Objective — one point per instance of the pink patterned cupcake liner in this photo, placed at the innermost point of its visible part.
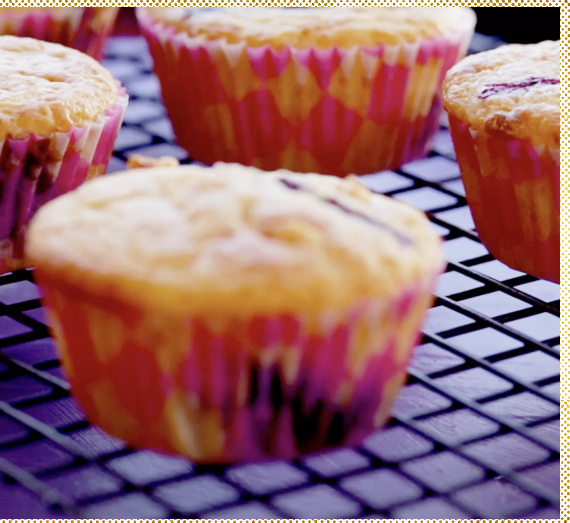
(38, 169)
(227, 391)
(513, 190)
(335, 111)
(83, 28)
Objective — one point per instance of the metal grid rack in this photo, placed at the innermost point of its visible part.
(475, 433)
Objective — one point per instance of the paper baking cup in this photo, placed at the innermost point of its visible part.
(335, 111)
(513, 190)
(38, 169)
(233, 390)
(83, 28)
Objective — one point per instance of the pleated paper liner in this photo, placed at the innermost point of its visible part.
(38, 169)
(513, 190)
(83, 28)
(234, 390)
(335, 111)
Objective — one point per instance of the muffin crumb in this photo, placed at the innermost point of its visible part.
(139, 161)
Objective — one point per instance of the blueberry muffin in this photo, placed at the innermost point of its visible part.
(231, 315)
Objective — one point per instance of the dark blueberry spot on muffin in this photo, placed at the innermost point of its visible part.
(400, 237)
(306, 425)
(6, 165)
(293, 186)
(277, 394)
(338, 431)
(37, 155)
(45, 182)
(495, 89)
(253, 385)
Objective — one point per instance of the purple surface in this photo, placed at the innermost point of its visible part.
(33, 352)
(474, 384)
(435, 169)
(397, 443)
(126, 507)
(496, 498)
(266, 478)
(18, 292)
(430, 358)
(461, 218)
(441, 319)
(444, 472)
(332, 464)
(523, 408)
(459, 426)
(498, 271)
(416, 400)
(11, 431)
(142, 468)
(433, 508)
(549, 431)
(37, 457)
(547, 476)
(454, 283)
(495, 304)
(510, 450)
(253, 510)
(541, 327)
(531, 367)
(381, 488)
(38, 315)
(463, 249)
(85, 482)
(10, 328)
(58, 414)
(386, 181)
(319, 502)
(96, 442)
(18, 503)
(23, 388)
(197, 494)
(426, 199)
(485, 343)
(161, 128)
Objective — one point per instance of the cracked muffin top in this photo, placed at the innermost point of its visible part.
(513, 89)
(47, 88)
(317, 27)
(233, 240)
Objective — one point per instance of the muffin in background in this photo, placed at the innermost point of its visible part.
(327, 90)
(504, 113)
(60, 112)
(231, 315)
(83, 28)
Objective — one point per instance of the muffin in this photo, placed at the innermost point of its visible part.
(325, 90)
(504, 112)
(230, 315)
(60, 112)
(83, 28)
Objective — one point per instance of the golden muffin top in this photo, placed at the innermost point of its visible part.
(232, 240)
(317, 27)
(47, 88)
(513, 89)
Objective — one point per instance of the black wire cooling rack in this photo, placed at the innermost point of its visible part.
(475, 433)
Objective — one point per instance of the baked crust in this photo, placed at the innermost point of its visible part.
(343, 27)
(514, 89)
(47, 88)
(232, 241)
